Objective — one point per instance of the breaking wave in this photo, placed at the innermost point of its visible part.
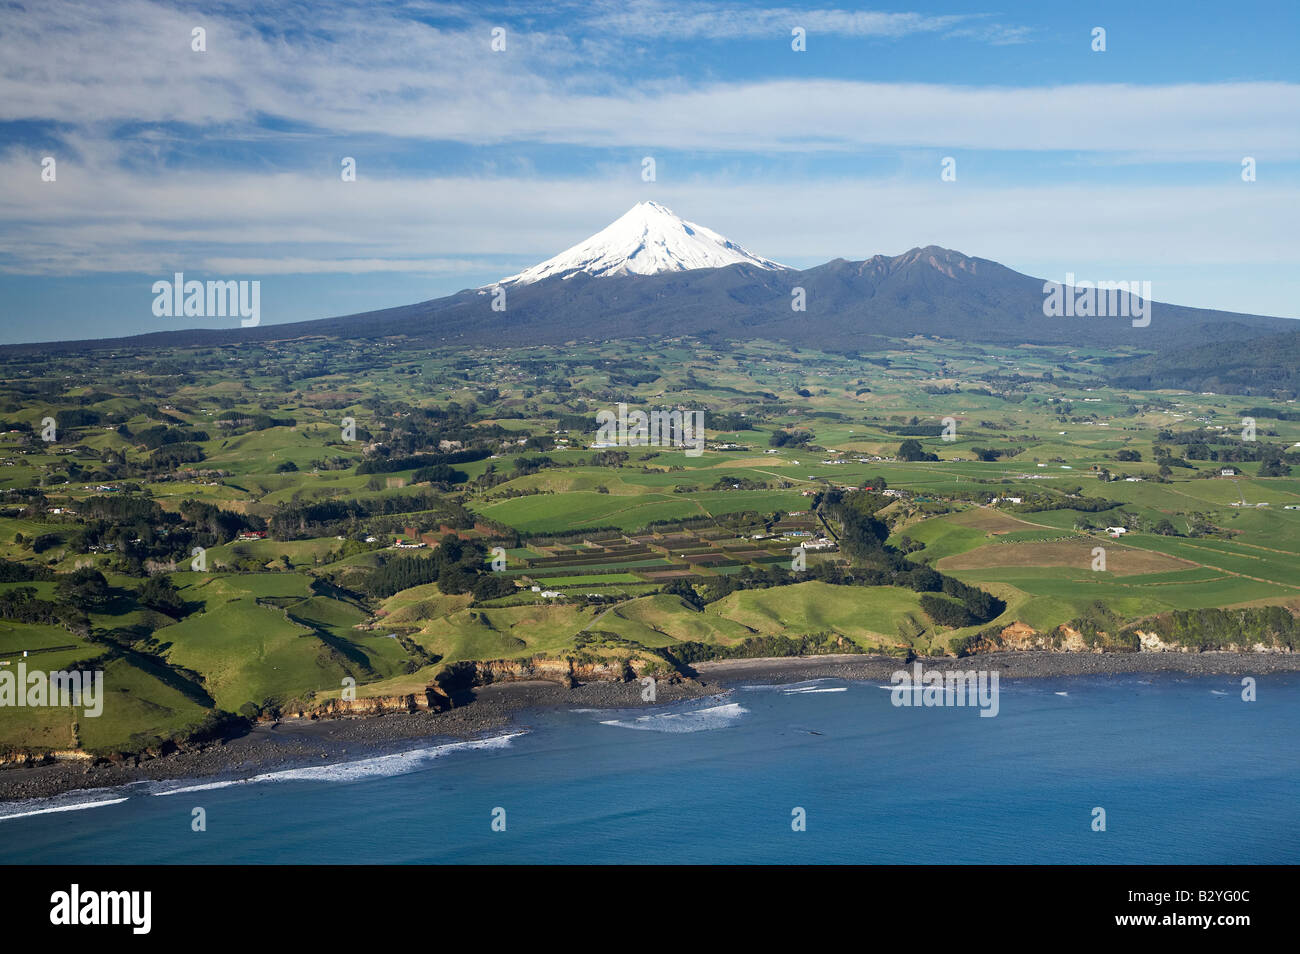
(695, 720)
(382, 766)
(61, 803)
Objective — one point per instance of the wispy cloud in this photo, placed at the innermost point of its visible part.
(704, 21)
(126, 72)
(110, 220)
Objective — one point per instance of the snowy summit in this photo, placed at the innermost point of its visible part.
(648, 239)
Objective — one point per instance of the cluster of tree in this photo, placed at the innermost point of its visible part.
(247, 421)
(738, 483)
(911, 450)
(12, 571)
(423, 430)
(457, 566)
(1274, 467)
(723, 421)
(76, 417)
(159, 593)
(523, 466)
(439, 474)
(862, 534)
(1131, 521)
(791, 438)
(1203, 444)
(914, 429)
(968, 606)
(1036, 503)
(85, 588)
(911, 576)
(136, 529)
(632, 378)
(173, 456)
(993, 453)
(159, 435)
(609, 458)
(389, 465)
(22, 605)
(297, 520)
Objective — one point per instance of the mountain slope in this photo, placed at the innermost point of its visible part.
(1235, 364)
(647, 240)
(654, 274)
(848, 306)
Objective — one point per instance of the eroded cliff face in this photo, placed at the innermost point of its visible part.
(468, 674)
(1018, 637)
(431, 698)
(1152, 643)
(35, 757)
(566, 671)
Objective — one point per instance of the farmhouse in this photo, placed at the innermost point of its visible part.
(1116, 531)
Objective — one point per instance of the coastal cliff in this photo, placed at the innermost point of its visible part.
(458, 678)
(1268, 630)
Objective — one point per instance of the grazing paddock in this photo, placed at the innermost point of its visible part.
(1120, 560)
(988, 520)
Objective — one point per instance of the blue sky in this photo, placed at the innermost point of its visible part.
(473, 163)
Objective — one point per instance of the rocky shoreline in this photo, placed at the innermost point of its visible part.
(297, 742)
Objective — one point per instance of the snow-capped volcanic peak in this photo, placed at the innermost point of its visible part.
(645, 241)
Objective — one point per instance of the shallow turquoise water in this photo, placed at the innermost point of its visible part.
(1186, 771)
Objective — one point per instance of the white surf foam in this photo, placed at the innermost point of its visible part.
(696, 720)
(804, 692)
(10, 810)
(382, 766)
(787, 686)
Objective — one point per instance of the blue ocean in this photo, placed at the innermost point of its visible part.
(1184, 769)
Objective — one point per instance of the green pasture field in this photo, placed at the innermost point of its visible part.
(265, 634)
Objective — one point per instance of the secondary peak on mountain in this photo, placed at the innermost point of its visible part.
(646, 240)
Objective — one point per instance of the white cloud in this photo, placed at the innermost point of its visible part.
(375, 73)
(95, 219)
